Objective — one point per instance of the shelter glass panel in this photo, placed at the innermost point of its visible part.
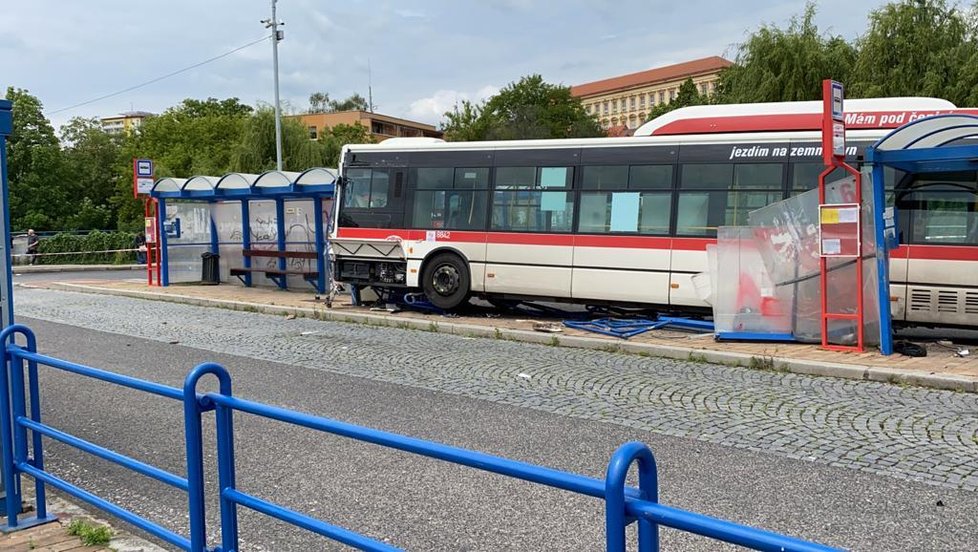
(227, 220)
(183, 253)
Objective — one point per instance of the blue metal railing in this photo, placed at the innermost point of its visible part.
(623, 504)
(17, 460)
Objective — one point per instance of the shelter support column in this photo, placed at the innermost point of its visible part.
(882, 260)
(215, 238)
(164, 263)
(280, 226)
(321, 267)
(12, 495)
(246, 238)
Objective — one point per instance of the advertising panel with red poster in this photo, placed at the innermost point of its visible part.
(150, 229)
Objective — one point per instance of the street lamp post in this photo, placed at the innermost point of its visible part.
(277, 35)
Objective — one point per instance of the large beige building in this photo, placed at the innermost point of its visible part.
(623, 103)
(379, 126)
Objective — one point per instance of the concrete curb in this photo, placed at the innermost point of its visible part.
(37, 269)
(729, 358)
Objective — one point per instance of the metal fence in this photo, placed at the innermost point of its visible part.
(18, 416)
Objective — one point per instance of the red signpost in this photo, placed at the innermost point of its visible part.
(839, 223)
(143, 173)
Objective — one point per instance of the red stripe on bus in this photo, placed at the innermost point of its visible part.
(942, 252)
(921, 252)
(746, 123)
(515, 238)
(796, 121)
(634, 242)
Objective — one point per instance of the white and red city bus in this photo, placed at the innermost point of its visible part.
(626, 221)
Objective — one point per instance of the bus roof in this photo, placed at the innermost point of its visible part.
(429, 144)
(861, 114)
(866, 120)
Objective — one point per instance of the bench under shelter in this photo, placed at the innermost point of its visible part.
(268, 229)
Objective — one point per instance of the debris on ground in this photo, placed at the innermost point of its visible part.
(547, 327)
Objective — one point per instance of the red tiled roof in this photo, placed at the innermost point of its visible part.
(659, 74)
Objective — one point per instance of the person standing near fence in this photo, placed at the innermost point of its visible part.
(139, 244)
(33, 242)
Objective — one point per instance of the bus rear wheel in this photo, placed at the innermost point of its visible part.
(446, 281)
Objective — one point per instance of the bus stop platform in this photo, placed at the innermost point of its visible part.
(942, 368)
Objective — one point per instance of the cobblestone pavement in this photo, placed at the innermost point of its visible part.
(910, 433)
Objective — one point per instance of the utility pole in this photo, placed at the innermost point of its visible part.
(277, 35)
(370, 89)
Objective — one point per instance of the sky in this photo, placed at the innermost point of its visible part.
(423, 56)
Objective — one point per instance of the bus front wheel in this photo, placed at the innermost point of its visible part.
(446, 281)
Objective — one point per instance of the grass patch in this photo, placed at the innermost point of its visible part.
(91, 534)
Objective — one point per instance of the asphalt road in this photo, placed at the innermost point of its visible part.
(426, 505)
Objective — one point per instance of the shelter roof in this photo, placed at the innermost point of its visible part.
(942, 143)
(317, 181)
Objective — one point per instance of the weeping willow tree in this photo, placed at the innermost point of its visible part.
(775, 65)
(919, 48)
(255, 152)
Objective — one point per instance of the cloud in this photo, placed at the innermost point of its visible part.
(410, 14)
(432, 108)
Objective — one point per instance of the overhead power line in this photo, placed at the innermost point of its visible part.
(166, 76)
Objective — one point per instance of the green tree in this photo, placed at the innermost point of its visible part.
(356, 102)
(528, 109)
(38, 195)
(194, 137)
(333, 140)
(775, 65)
(465, 123)
(254, 152)
(918, 48)
(92, 165)
(212, 107)
(129, 210)
(191, 138)
(320, 102)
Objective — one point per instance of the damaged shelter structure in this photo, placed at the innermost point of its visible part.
(775, 292)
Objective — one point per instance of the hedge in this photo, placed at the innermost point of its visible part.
(88, 246)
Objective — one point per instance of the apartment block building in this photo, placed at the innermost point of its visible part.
(124, 123)
(379, 126)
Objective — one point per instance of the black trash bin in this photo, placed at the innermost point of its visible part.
(210, 268)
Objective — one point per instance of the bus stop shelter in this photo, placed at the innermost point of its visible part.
(770, 288)
(937, 144)
(266, 229)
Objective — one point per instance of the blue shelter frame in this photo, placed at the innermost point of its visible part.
(929, 145)
(316, 184)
